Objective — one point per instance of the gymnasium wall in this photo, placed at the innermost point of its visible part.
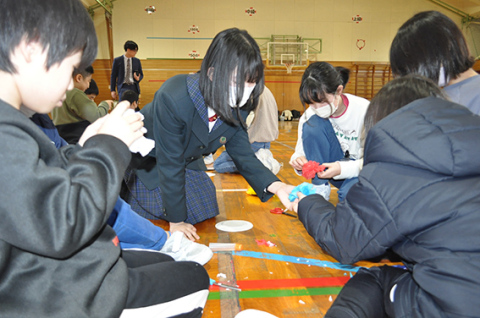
(354, 33)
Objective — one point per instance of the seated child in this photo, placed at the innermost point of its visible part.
(330, 128)
(92, 91)
(58, 257)
(78, 110)
(132, 97)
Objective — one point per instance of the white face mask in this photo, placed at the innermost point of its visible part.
(232, 95)
(326, 111)
(442, 79)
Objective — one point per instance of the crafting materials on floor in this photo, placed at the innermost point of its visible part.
(281, 211)
(263, 242)
(298, 260)
(250, 191)
(234, 226)
(226, 286)
(225, 247)
(311, 168)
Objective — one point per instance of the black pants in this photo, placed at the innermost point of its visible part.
(158, 284)
(367, 294)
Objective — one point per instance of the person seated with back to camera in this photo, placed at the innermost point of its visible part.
(92, 90)
(132, 97)
(432, 45)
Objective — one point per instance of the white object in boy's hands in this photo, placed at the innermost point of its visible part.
(142, 145)
(180, 248)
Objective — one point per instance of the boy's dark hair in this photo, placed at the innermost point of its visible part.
(130, 45)
(62, 27)
(398, 93)
(232, 58)
(87, 71)
(92, 89)
(130, 95)
(426, 42)
(319, 79)
(344, 74)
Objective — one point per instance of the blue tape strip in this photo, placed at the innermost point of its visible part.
(298, 260)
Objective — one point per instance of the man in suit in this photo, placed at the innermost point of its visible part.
(126, 71)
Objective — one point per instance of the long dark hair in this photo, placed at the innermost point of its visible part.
(233, 52)
(319, 79)
(398, 93)
(426, 42)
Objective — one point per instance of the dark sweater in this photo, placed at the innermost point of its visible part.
(57, 256)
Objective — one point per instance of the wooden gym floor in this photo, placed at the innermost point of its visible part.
(293, 279)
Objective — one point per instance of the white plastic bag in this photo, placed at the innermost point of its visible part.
(266, 157)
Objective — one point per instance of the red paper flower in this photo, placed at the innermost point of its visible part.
(263, 242)
(310, 169)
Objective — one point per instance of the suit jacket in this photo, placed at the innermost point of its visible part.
(182, 139)
(118, 73)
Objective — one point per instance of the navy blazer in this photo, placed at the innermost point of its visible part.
(182, 139)
(118, 73)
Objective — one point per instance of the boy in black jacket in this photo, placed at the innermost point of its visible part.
(57, 256)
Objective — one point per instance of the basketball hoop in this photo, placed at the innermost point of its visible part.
(289, 67)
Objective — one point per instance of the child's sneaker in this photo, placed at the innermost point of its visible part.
(181, 248)
(323, 190)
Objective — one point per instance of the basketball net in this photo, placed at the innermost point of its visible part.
(289, 67)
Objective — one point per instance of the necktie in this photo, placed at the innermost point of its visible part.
(128, 76)
(212, 118)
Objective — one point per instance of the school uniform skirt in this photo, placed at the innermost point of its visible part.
(201, 197)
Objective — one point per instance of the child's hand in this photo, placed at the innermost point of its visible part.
(91, 130)
(333, 169)
(300, 196)
(297, 201)
(125, 128)
(282, 190)
(186, 228)
(110, 104)
(298, 163)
